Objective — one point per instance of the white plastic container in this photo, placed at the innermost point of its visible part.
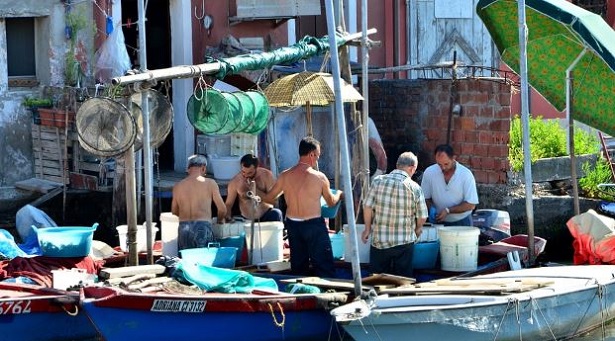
(363, 247)
(65, 278)
(122, 231)
(233, 229)
(169, 223)
(459, 248)
(268, 241)
(224, 167)
(429, 234)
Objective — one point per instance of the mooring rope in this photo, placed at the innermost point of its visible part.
(275, 320)
(535, 304)
(71, 313)
(510, 302)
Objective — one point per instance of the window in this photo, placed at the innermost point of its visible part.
(21, 58)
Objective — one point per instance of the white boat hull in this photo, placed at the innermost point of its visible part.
(580, 298)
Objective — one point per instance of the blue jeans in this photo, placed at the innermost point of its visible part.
(193, 234)
(310, 243)
(467, 221)
(274, 214)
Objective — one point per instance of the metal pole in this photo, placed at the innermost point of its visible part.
(147, 152)
(365, 104)
(341, 123)
(573, 159)
(525, 123)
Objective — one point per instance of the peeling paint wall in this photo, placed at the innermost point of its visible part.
(51, 46)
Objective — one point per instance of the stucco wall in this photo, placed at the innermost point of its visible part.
(16, 157)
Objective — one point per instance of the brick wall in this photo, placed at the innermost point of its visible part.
(414, 115)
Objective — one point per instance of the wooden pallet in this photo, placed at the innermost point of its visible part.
(53, 153)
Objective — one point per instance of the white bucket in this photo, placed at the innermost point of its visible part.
(122, 231)
(268, 241)
(459, 248)
(363, 247)
(169, 223)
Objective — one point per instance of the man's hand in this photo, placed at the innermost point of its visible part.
(365, 235)
(376, 173)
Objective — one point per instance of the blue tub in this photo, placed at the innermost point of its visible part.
(69, 241)
(325, 210)
(236, 242)
(220, 257)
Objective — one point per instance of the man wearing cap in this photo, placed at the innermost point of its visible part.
(251, 183)
(192, 199)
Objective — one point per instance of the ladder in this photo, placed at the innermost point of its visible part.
(608, 151)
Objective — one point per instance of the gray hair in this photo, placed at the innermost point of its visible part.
(407, 159)
(197, 160)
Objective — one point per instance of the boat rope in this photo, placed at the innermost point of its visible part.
(511, 301)
(74, 313)
(602, 303)
(275, 320)
(518, 316)
(535, 304)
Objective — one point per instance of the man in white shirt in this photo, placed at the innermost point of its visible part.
(450, 187)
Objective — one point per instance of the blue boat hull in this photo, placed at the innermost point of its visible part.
(122, 324)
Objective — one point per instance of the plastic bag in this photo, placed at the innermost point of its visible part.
(112, 58)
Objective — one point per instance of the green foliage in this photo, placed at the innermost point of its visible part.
(593, 177)
(34, 102)
(547, 139)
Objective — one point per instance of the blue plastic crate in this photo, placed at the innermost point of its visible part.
(220, 257)
(425, 255)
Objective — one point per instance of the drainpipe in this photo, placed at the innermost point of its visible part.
(409, 52)
(396, 35)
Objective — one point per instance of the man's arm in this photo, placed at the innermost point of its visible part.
(330, 198)
(367, 218)
(231, 195)
(275, 191)
(174, 203)
(217, 198)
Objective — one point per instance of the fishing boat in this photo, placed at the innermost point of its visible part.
(529, 304)
(180, 312)
(36, 313)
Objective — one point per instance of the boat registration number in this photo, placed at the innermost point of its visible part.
(179, 306)
(15, 307)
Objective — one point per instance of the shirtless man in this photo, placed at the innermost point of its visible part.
(242, 184)
(192, 199)
(308, 234)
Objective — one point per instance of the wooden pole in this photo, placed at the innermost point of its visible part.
(192, 71)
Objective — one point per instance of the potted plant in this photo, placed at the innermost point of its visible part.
(34, 103)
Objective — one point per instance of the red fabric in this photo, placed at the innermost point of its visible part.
(39, 268)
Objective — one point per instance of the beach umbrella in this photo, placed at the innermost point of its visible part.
(562, 40)
(307, 89)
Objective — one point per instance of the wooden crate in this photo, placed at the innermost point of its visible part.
(53, 153)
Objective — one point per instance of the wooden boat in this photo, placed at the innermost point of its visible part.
(36, 313)
(171, 314)
(529, 304)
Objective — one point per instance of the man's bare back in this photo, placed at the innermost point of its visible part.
(192, 199)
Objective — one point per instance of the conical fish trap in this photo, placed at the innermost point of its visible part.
(160, 117)
(105, 127)
(208, 111)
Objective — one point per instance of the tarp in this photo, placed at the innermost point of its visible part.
(594, 238)
(307, 47)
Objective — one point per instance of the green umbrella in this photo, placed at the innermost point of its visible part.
(561, 36)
